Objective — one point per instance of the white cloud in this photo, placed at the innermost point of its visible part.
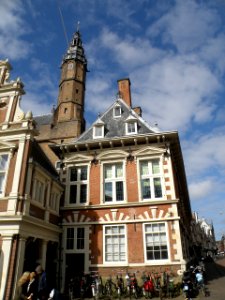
(129, 52)
(187, 25)
(201, 189)
(12, 29)
(206, 154)
(174, 90)
(41, 90)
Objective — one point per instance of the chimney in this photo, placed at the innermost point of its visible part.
(124, 90)
(138, 110)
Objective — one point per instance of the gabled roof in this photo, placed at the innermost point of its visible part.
(115, 126)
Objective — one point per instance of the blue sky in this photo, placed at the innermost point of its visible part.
(173, 53)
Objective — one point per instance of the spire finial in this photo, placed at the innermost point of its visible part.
(78, 25)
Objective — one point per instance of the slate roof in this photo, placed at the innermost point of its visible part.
(115, 126)
(43, 120)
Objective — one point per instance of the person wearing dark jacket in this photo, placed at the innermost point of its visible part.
(32, 288)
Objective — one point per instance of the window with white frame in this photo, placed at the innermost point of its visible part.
(131, 127)
(151, 179)
(75, 238)
(117, 111)
(156, 242)
(99, 131)
(78, 181)
(115, 243)
(113, 182)
(3, 168)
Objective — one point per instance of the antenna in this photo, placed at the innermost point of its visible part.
(78, 25)
(63, 25)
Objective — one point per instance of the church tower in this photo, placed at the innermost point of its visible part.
(72, 85)
(67, 120)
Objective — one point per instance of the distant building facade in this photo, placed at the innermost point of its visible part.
(111, 198)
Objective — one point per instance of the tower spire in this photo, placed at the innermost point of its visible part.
(75, 50)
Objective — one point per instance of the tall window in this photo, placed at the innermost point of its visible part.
(39, 191)
(115, 247)
(75, 238)
(78, 185)
(156, 245)
(113, 182)
(151, 179)
(3, 168)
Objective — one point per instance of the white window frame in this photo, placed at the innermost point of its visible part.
(74, 248)
(95, 133)
(151, 177)
(5, 174)
(156, 261)
(79, 182)
(131, 122)
(114, 180)
(115, 263)
(117, 107)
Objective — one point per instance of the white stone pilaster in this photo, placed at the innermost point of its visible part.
(20, 260)
(4, 262)
(16, 178)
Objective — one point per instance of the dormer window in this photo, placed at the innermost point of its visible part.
(117, 111)
(131, 125)
(98, 129)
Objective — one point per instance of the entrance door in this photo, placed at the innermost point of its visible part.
(74, 270)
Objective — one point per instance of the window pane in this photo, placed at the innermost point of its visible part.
(80, 238)
(119, 190)
(108, 191)
(83, 173)
(117, 111)
(144, 168)
(108, 171)
(73, 194)
(3, 161)
(108, 230)
(131, 127)
(73, 174)
(157, 187)
(119, 170)
(83, 193)
(2, 177)
(145, 187)
(155, 166)
(70, 238)
(98, 130)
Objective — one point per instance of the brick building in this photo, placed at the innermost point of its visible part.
(125, 204)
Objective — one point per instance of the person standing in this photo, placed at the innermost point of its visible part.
(42, 283)
(21, 288)
(32, 288)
